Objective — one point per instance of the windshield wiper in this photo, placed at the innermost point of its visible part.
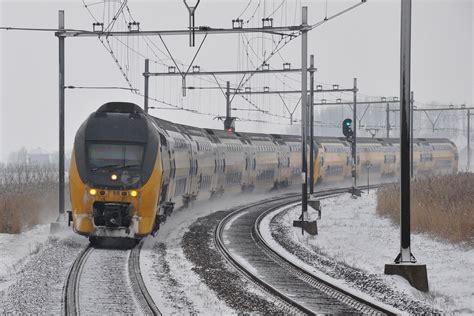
(105, 167)
(128, 166)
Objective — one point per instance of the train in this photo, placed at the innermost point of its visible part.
(130, 170)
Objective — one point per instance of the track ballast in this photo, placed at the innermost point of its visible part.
(108, 279)
(279, 277)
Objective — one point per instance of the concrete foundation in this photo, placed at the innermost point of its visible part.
(414, 273)
(315, 206)
(311, 227)
(59, 225)
(355, 192)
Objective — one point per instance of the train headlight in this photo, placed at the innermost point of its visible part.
(113, 177)
(92, 192)
(133, 193)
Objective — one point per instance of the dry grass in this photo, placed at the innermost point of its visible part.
(442, 206)
(28, 196)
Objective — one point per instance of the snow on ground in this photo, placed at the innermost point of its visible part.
(34, 265)
(352, 234)
(15, 249)
(105, 288)
(167, 273)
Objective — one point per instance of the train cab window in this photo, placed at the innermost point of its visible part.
(117, 156)
(322, 161)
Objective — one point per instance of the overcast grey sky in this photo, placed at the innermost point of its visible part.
(363, 43)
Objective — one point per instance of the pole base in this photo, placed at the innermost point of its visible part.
(311, 227)
(355, 191)
(414, 273)
(315, 205)
(59, 225)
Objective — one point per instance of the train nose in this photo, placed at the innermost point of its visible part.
(112, 214)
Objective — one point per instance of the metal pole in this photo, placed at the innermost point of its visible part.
(61, 112)
(388, 120)
(304, 104)
(412, 102)
(311, 123)
(405, 51)
(354, 141)
(227, 98)
(191, 26)
(147, 79)
(468, 139)
(368, 179)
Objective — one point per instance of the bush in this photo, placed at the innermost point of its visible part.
(28, 196)
(442, 206)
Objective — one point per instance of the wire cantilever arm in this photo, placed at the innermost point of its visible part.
(336, 15)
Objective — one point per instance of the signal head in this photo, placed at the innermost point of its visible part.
(347, 128)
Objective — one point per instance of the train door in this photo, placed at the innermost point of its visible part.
(166, 166)
(172, 168)
(215, 157)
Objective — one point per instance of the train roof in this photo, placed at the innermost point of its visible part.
(215, 135)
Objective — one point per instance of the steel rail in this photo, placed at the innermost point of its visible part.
(219, 242)
(70, 293)
(70, 299)
(139, 288)
(351, 299)
(329, 289)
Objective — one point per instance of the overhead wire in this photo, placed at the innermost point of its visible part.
(275, 50)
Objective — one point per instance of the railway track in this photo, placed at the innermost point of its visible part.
(239, 240)
(106, 281)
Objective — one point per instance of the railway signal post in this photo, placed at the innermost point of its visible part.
(354, 190)
(405, 263)
(349, 132)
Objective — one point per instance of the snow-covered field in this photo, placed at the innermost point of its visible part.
(33, 264)
(352, 233)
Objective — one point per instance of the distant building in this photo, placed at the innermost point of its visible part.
(38, 156)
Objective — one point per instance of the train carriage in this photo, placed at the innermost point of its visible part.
(445, 157)
(370, 159)
(129, 170)
(334, 160)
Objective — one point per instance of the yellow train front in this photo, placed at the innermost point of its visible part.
(115, 175)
